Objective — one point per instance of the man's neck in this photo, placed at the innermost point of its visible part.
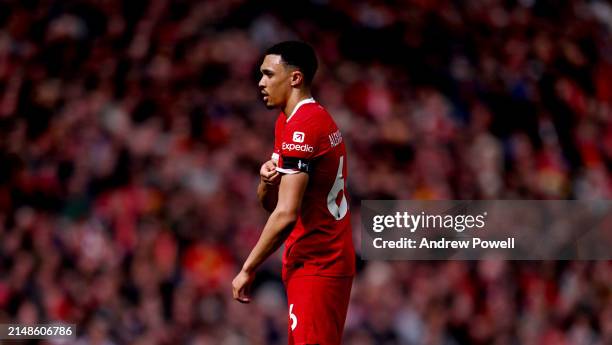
(293, 100)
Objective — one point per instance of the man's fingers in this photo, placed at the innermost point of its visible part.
(269, 165)
(244, 299)
(241, 295)
(240, 288)
(234, 292)
(270, 175)
(267, 173)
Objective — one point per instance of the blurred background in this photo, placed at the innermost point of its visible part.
(131, 136)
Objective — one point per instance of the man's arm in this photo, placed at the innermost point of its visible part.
(277, 228)
(267, 195)
(267, 190)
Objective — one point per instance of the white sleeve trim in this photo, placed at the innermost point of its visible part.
(287, 171)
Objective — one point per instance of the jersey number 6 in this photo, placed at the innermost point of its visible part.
(337, 211)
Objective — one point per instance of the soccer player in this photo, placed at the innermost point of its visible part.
(304, 188)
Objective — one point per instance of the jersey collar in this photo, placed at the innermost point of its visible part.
(297, 106)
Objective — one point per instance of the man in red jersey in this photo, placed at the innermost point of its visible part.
(304, 188)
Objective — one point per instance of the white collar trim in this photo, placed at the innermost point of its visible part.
(297, 106)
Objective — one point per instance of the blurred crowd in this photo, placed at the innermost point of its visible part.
(131, 136)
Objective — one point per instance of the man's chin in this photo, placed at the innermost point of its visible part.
(270, 105)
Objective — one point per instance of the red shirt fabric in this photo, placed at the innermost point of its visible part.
(321, 242)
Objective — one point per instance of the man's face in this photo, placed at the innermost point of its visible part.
(275, 82)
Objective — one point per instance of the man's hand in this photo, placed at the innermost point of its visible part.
(240, 285)
(268, 173)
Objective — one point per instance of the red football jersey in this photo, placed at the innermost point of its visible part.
(321, 242)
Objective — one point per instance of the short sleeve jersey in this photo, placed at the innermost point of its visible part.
(321, 242)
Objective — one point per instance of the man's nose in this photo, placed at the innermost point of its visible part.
(261, 83)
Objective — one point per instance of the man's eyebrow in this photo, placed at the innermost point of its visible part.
(266, 71)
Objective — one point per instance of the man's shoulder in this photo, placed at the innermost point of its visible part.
(312, 110)
(312, 115)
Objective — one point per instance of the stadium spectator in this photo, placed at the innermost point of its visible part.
(131, 136)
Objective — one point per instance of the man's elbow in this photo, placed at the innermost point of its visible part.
(287, 216)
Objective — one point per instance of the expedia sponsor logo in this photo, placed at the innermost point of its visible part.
(298, 137)
(296, 147)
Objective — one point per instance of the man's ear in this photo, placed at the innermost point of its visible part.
(297, 78)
